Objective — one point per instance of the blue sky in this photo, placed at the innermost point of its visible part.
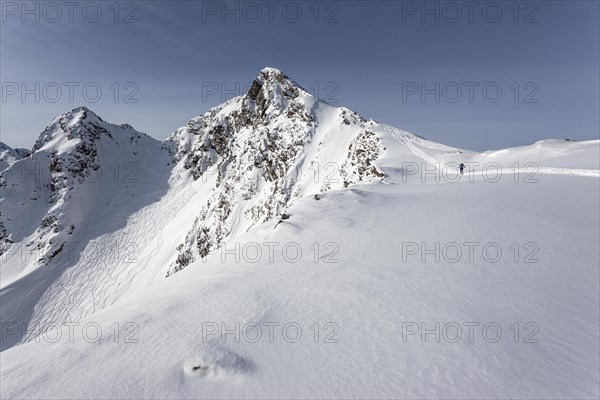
(525, 70)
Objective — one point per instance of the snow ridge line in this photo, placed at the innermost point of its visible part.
(406, 139)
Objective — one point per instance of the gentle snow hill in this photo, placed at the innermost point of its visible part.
(228, 176)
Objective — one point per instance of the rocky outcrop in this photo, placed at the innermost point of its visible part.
(251, 151)
(65, 158)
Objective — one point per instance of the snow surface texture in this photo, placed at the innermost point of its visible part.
(279, 213)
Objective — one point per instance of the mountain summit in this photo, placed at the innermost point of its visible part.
(256, 151)
(9, 155)
(94, 184)
(99, 213)
(83, 125)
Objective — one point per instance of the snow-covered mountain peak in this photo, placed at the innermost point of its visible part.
(80, 114)
(84, 127)
(274, 77)
(271, 93)
(271, 70)
(9, 155)
(255, 151)
(77, 159)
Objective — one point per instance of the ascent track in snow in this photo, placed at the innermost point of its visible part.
(408, 140)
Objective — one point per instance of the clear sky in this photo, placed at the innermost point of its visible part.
(473, 74)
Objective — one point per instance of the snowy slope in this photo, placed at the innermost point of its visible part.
(364, 204)
(137, 212)
(63, 198)
(8, 155)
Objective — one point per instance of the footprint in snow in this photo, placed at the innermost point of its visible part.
(216, 363)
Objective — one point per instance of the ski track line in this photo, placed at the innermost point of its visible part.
(403, 138)
(45, 288)
(91, 285)
(592, 173)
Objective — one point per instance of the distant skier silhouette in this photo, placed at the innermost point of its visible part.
(461, 168)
